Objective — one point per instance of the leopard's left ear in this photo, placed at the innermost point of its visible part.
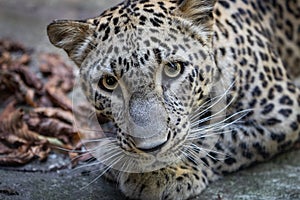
(75, 37)
(200, 12)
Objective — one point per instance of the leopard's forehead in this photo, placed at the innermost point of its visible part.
(131, 14)
(144, 44)
(133, 31)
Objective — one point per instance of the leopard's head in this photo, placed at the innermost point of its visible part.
(147, 66)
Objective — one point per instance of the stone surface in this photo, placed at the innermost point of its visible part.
(26, 22)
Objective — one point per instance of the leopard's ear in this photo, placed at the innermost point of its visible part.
(200, 12)
(75, 37)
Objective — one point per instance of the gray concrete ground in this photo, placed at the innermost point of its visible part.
(26, 22)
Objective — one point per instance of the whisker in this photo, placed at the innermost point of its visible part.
(106, 169)
(68, 150)
(207, 150)
(87, 165)
(222, 124)
(220, 97)
(206, 119)
(200, 135)
(190, 154)
(217, 113)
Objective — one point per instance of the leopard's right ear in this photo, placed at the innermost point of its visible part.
(75, 37)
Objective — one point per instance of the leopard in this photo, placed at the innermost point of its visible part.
(194, 89)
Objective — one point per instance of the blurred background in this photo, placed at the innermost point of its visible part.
(25, 21)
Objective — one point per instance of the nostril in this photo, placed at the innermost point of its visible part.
(152, 149)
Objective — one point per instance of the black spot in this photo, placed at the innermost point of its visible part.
(213, 156)
(245, 2)
(189, 187)
(102, 27)
(183, 167)
(234, 135)
(278, 137)
(286, 100)
(115, 21)
(268, 108)
(117, 29)
(243, 145)
(196, 176)
(219, 148)
(156, 22)
(272, 121)
(285, 112)
(243, 62)
(230, 160)
(233, 27)
(263, 101)
(157, 54)
(148, 10)
(223, 51)
(191, 160)
(225, 4)
(256, 92)
(106, 35)
(294, 126)
(271, 94)
(218, 13)
(291, 87)
(154, 39)
(278, 88)
(204, 160)
(252, 103)
(191, 79)
(247, 154)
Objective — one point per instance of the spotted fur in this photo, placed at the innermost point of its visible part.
(232, 103)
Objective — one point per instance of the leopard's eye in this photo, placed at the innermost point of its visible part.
(108, 83)
(173, 69)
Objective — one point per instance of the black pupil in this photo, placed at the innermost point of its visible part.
(110, 80)
(173, 67)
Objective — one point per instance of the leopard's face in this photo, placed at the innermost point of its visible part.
(148, 74)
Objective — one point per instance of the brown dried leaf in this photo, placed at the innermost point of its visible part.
(14, 84)
(28, 77)
(58, 97)
(12, 53)
(52, 66)
(53, 122)
(11, 46)
(19, 145)
(23, 137)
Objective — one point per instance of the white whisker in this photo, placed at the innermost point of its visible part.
(200, 135)
(107, 168)
(87, 165)
(198, 114)
(222, 124)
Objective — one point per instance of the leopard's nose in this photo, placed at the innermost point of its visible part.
(145, 109)
(147, 117)
(140, 109)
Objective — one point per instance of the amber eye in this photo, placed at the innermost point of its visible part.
(173, 69)
(108, 83)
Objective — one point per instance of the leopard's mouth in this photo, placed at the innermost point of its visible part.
(153, 149)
